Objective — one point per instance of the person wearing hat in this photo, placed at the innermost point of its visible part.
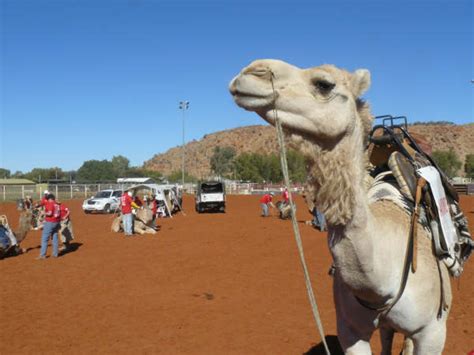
(266, 201)
(38, 211)
(44, 200)
(126, 204)
(50, 227)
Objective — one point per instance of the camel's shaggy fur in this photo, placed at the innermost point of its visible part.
(321, 109)
(24, 225)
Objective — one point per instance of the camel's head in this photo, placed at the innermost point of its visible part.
(320, 102)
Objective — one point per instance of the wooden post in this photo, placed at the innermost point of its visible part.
(57, 196)
(71, 191)
(4, 193)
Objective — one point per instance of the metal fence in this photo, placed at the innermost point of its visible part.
(64, 192)
(82, 191)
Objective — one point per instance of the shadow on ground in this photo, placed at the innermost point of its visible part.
(333, 345)
(71, 248)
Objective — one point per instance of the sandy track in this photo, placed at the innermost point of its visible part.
(205, 284)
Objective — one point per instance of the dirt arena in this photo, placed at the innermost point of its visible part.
(205, 284)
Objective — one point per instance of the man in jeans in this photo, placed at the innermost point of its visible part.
(318, 219)
(50, 226)
(266, 201)
(126, 203)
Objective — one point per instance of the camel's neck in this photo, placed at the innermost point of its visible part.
(337, 176)
(24, 226)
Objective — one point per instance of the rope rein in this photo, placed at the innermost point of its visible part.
(284, 167)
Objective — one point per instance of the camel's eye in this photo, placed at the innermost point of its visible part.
(323, 86)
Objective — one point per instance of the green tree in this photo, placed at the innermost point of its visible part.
(448, 161)
(96, 170)
(4, 173)
(469, 167)
(17, 174)
(246, 167)
(267, 168)
(222, 160)
(296, 166)
(270, 168)
(121, 165)
(45, 174)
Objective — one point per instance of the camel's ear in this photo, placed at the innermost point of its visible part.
(360, 82)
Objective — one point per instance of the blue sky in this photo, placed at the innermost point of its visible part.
(90, 79)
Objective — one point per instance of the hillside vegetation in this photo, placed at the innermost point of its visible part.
(262, 139)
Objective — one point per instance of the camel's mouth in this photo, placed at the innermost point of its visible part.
(252, 101)
(249, 94)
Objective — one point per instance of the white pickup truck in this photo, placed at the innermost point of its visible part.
(105, 201)
(210, 195)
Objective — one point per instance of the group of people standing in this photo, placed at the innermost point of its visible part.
(266, 201)
(57, 221)
(129, 203)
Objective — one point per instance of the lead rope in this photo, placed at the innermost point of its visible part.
(284, 167)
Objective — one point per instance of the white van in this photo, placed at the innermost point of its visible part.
(105, 201)
(210, 195)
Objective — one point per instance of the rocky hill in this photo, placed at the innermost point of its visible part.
(262, 139)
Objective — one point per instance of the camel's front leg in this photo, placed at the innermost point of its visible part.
(431, 339)
(354, 322)
(353, 341)
(407, 347)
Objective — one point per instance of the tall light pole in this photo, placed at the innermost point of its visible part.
(183, 106)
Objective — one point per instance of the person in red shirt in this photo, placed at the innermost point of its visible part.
(38, 211)
(154, 209)
(286, 196)
(66, 232)
(44, 199)
(50, 226)
(266, 201)
(126, 204)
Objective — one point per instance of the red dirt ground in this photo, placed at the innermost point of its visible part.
(205, 284)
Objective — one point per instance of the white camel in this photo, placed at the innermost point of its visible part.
(321, 110)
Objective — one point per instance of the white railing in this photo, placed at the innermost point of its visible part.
(82, 191)
(64, 192)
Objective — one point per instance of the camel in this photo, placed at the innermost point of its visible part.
(321, 111)
(141, 224)
(12, 245)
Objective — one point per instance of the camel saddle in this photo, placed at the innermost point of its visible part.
(392, 148)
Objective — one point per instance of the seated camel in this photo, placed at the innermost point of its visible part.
(9, 240)
(141, 224)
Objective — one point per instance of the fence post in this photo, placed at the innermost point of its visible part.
(23, 191)
(85, 191)
(4, 193)
(57, 196)
(71, 191)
